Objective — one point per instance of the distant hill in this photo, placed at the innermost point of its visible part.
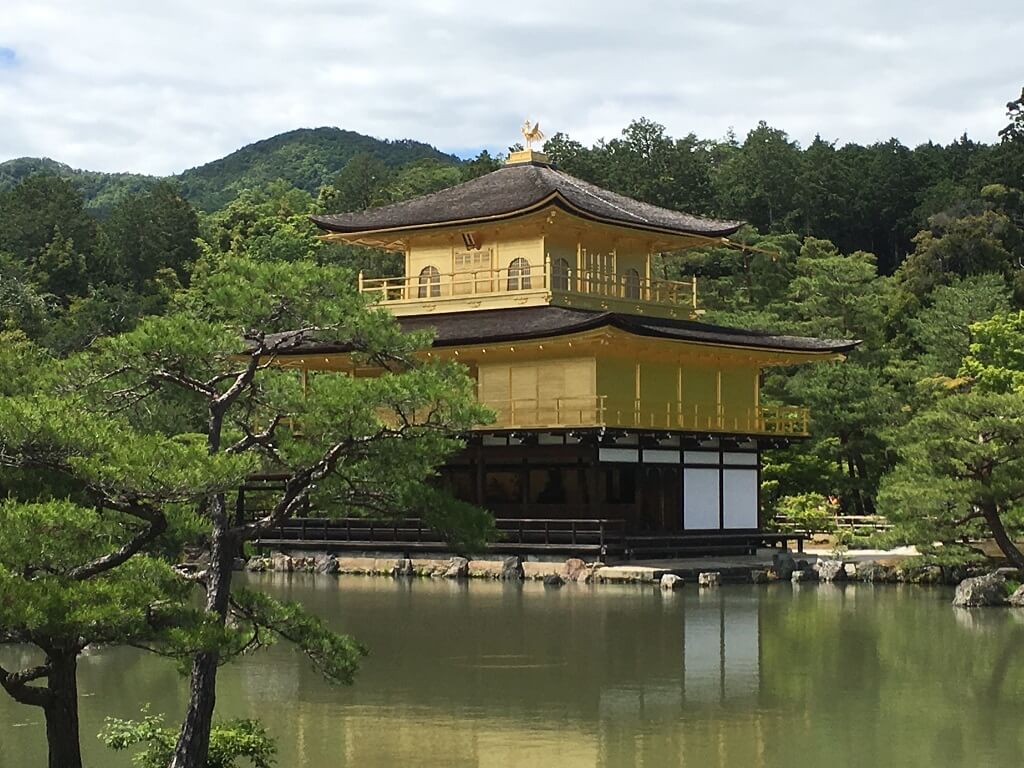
(99, 190)
(307, 157)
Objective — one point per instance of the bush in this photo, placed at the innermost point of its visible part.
(806, 511)
(229, 741)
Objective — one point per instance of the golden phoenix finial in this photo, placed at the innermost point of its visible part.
(531, 133)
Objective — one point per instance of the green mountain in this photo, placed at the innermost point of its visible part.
(307, 157)
(99, 190)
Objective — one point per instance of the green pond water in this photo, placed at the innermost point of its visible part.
(488, 674)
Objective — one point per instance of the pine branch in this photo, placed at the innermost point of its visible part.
(157, 525)
(17, 685)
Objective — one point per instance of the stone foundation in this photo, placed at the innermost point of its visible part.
(504, 569)
(575, 570)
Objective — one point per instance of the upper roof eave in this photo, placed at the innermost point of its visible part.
(555, 199)
(515, 191)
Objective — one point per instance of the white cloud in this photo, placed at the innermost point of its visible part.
(116, 85)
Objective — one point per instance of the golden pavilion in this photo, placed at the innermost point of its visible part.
(624, 424)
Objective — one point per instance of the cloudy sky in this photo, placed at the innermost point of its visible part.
(159, 87)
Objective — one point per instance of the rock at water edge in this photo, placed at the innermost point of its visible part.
(986, 590)
(458, 568)
(282, 563)
(553, 580)
(783, 564)
(1017, 598)
(759, 577)
(874, 573)
(328, 565)
(573, 568)
(670, 581)
(512, 569)
(803, 574)
(929, 574)
(709, 579)
(831, 570)
(403, 569)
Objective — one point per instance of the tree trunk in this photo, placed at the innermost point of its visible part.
(61, 710)
(858, 501)
(862, 473)
(194, 740)
(995, 524)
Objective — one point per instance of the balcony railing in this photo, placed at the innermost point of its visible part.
(600, 411)
(563, 286)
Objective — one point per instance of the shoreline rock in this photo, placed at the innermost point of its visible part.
(830, 570)
(709, 579)
(981, 591)
(670, 582)
(578, 571)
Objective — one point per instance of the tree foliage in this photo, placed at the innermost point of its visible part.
(141, 377)
(230, 742)
(961, 475)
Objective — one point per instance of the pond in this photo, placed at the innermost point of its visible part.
(492, 674)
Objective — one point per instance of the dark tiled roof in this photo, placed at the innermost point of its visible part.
(519, 188)
(526, 323)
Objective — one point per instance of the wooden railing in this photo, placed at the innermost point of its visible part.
(860, 525)
(596, 534)
(600, 411)
(547, 278)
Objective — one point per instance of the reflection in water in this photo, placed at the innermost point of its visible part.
(502, 675)
(722, 650)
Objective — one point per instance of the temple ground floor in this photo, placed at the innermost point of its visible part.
(613, 494)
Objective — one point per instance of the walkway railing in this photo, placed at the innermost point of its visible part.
(549, 278)
(601, 411)
(859, 525)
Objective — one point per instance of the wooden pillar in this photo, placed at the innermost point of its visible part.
(593, 483)
(639, 494)
(648, 293)
(579, 265)
(480, 474)
(524, 487)
(755, 421)
(637, 418)
(679, 397)
(719, 407)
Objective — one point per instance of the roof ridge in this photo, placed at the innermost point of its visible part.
(572, 180)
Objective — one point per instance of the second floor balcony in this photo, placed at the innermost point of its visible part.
(522, 284)
(603, 411)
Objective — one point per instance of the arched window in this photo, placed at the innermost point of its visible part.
(519, 275)
(560, 275)
(430, 283)
(632, 286)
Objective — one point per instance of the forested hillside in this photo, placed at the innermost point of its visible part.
(307, 158)
(918, 251)
(99, 191)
